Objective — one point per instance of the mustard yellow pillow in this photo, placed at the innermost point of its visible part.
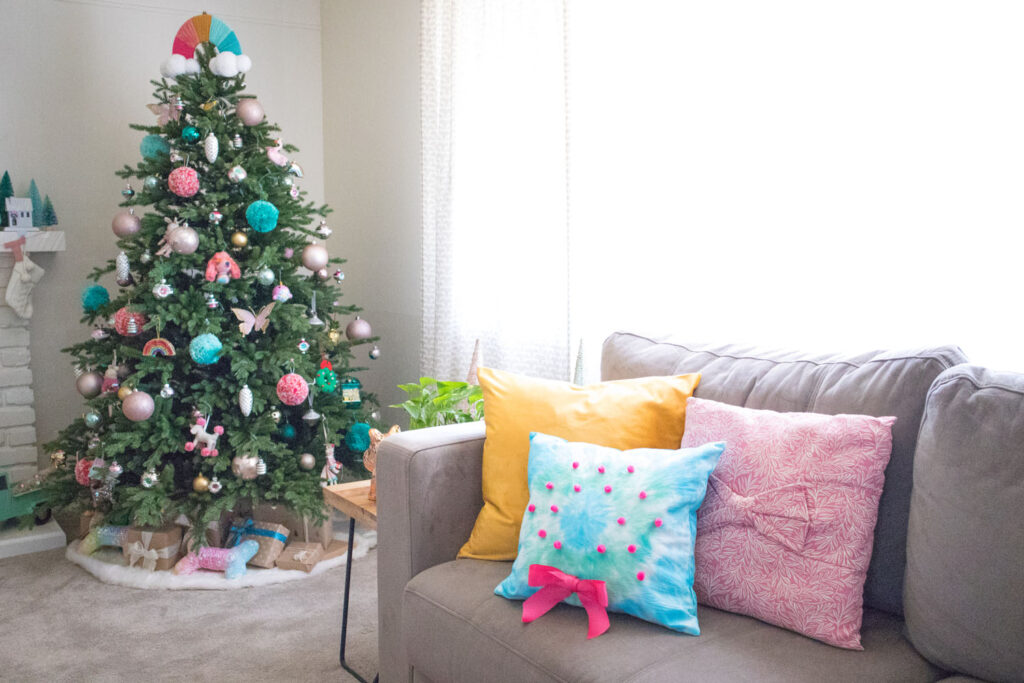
(647, 412)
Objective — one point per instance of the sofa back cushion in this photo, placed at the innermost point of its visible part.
(877, 383)
(965, 550)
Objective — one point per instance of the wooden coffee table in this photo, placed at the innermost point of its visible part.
(352, 499)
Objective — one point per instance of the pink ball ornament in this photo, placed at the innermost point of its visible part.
(250, 111)
(184, 240)
(183, 181)
(125, 224)
(314, 256)
(358, 329)
(138, 406)
(292, 389)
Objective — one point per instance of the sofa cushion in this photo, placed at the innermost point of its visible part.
(785, 533)
(454, 603)
(965, 551)
(636, 413)
(875, 383)
(626, 518)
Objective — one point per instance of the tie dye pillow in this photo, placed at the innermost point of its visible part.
(785, 534)
(623, 517)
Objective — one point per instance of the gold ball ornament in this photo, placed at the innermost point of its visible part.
(124, 391)
(239, 239)
(200, 484)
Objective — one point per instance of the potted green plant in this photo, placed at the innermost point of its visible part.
(435, 402)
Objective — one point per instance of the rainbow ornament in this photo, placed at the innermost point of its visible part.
(158, 346)
(205, 28)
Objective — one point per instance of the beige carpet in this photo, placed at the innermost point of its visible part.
(58, 623)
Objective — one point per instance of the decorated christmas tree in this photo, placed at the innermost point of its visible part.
(222, 372)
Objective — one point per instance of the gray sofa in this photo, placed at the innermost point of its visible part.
(944, 593)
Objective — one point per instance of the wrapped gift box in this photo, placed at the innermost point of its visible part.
(153, 549)
(76, 523)
(300, 555)
(215, 535)
(271, 537)
(302, 528)
(336, 548)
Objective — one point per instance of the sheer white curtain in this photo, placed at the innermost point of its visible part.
(827, 176)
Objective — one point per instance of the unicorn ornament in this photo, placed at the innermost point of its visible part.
(276, 154)
(204, 440)
(332, 469)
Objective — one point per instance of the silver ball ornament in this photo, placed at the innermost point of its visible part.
(90, 384)
(265, 276)
(314, 256)
(150, 183)
(358, 329)
(374, 352)
(167, 391)
(92, 419)
(307, 461)
(138, 406)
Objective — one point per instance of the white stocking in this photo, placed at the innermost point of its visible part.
(19, 290)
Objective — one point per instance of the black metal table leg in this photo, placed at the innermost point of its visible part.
(344, 604)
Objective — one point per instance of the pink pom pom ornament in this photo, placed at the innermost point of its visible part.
(183, 181)
(292, 389)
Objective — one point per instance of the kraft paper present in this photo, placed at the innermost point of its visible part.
(336, 548)
(300, 555)
(302, 528)
(271, 537)
(152, 548)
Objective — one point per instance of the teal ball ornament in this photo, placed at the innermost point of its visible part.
(287, 432)
(154, 146)
(205, 349)
(357, 438)
(94, 297)
(262, 216)
(190, 134)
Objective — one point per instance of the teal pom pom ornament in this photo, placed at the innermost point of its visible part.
(94, 297)
(154, 146)
(357, 439)
(262, 216)
(205, 349)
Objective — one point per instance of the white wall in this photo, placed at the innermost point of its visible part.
(372, 175)
(74, 74)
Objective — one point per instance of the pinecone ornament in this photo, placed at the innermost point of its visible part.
(211, 147)
(245, 400)
(123, 268)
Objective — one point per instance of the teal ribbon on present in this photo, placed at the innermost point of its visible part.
(249, 529)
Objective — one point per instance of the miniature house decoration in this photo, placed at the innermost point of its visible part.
(19, 212)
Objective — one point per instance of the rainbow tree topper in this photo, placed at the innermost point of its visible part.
(202, 28)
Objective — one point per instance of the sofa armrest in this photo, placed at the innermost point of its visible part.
(428, 497)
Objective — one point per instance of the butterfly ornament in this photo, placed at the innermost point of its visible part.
(249, 320)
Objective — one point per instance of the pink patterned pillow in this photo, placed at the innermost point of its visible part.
(786, 529)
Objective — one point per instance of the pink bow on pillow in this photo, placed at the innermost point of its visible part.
(780, 514)
(556, 586)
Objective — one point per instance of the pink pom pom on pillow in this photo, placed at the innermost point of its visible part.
(786, 530)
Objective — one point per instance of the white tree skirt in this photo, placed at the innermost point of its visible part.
(108, 565)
